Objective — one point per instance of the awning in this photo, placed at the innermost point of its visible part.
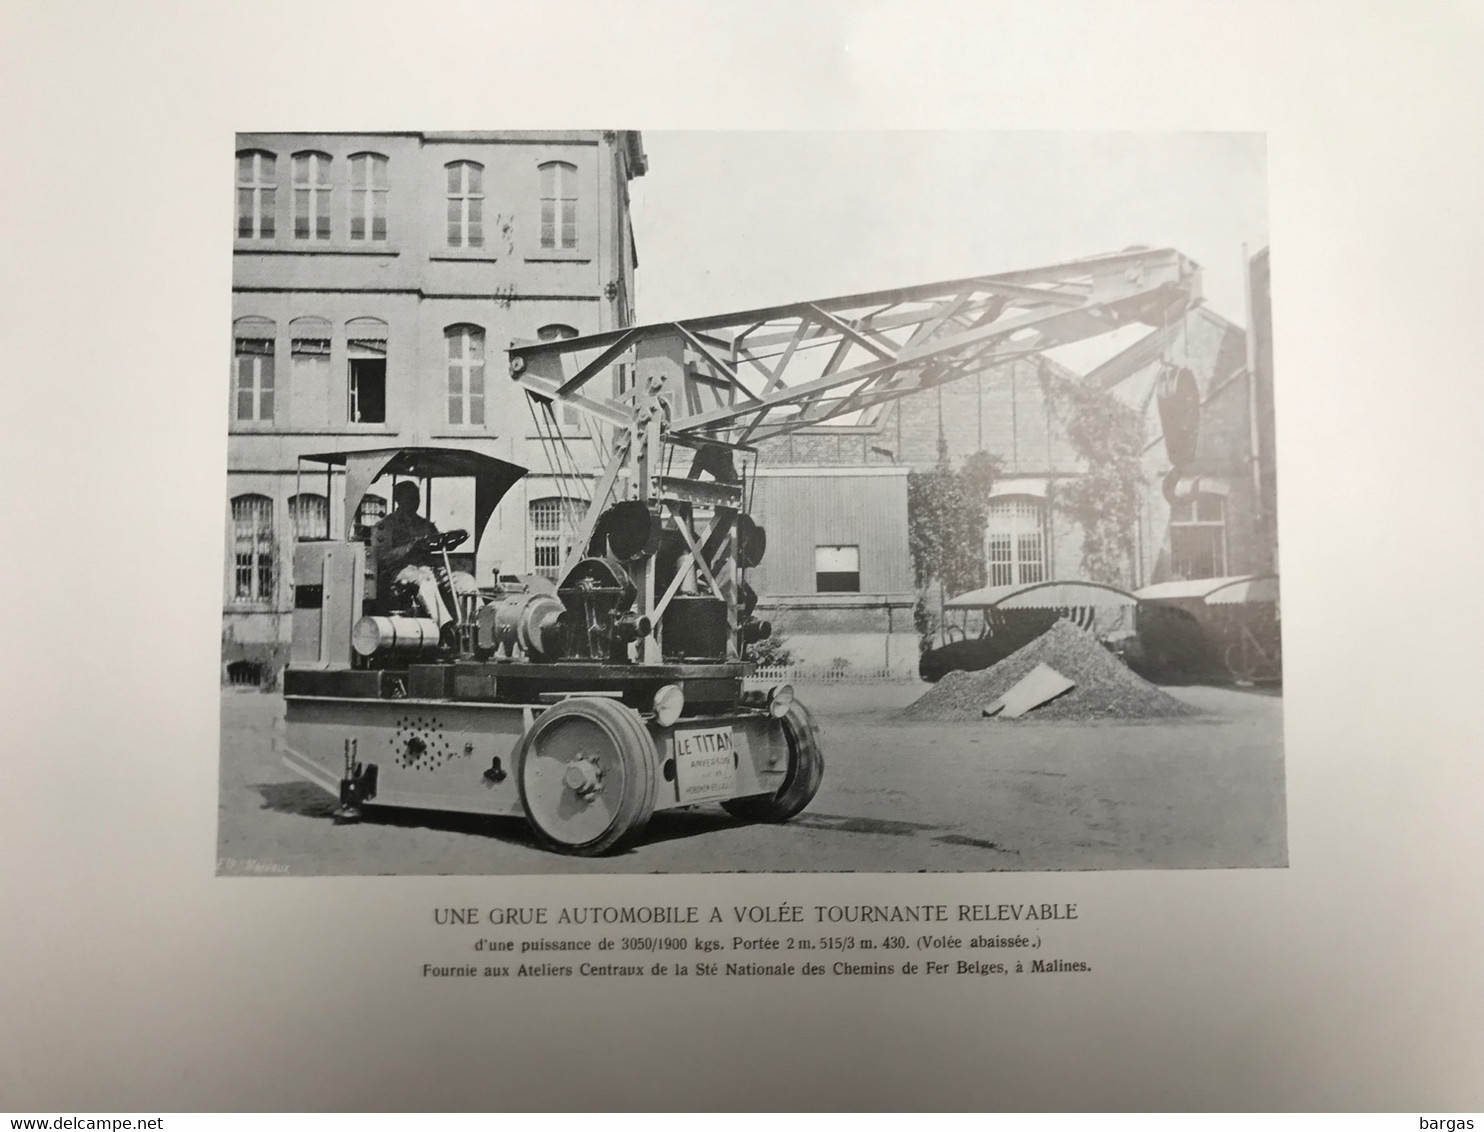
(1020, 485)
(1044, 595)
(1230, 590)
(1178, 487)
(1251, 590)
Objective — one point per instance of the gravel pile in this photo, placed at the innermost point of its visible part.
(1106, 687)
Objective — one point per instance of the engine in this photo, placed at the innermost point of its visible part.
(594, 614)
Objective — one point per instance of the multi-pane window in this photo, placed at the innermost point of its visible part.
(257, 193)
(252, 549)
(465, 204)
(1015, 542)
(554, 522)
(310, 515)
(837, 569)
(1198, 537)
(558, 205)
(252, 370)
(365, 345)
(311, 196)
(368, 188)
(464, 350)
(371, 511)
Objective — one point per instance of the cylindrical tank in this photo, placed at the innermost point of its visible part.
(394, 636)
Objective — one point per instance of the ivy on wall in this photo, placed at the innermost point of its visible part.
(1104, 500)
(945, 531)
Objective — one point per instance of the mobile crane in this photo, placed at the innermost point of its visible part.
(588, 703)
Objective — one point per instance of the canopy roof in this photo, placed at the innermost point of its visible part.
(1043, 595)
(1230, 590)
(1263, 587)
(492, 477)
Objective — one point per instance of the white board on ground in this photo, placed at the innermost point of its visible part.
(1041, 684)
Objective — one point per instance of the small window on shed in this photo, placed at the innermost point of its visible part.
(837, 569)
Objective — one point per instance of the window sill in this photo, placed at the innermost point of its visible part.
(456, 255)
(866, 599)
(247, 247)
(244, 428)
(558, 255)
(462, 432)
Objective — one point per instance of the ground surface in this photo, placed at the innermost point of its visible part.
(1205, 792)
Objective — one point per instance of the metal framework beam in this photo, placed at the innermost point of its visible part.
(779, 369)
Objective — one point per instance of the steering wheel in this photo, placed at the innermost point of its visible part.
(446, 540)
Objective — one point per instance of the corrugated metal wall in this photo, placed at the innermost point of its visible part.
(839, 508)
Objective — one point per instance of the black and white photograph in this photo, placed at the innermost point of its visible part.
(913, 507)
(810, 555)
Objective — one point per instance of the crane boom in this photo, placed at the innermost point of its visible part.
(756, 374)
(728, 381)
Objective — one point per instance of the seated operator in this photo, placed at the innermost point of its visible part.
(394, 541)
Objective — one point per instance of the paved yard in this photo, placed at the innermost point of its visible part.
(1201, 793)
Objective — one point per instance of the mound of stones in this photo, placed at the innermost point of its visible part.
(1106, 688)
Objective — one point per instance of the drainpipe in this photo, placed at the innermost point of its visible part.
(1260, 519)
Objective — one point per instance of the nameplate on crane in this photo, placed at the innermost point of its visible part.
(705, 765)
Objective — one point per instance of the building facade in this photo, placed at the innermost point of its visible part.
(377, 282)
(1206, 500)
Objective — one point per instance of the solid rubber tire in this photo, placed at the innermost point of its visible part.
(641, 765)
(800, 784)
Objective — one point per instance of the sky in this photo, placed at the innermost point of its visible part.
(727, 221)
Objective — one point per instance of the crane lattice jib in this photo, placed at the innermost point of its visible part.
(745, 377)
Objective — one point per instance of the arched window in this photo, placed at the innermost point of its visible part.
(310, 515)
(254, 342)
(311, 196)
(558, 205)
(253, 549)
(365, 345)
(368, 189)
(554, 524)
(1015, 541)
(465, 204)
(257, 194)
(464, 352)
(371, 511)
(1198, 537)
